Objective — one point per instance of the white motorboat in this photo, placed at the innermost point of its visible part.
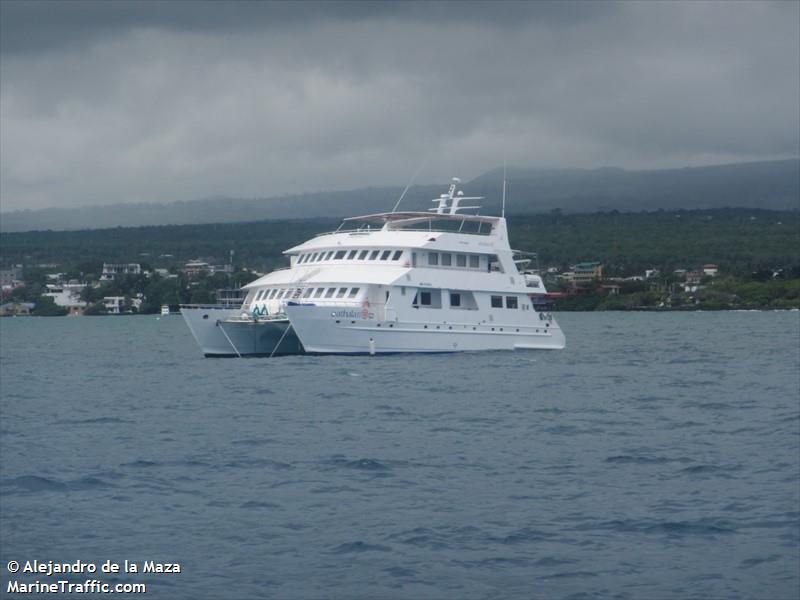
(437, 281)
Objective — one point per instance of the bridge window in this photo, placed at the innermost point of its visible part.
(307, 293)
(447, 259)
(474, 261)
(318, 293)
(352, 254)
(342, 292)
(328, 255)
(374, 254)
(397, 254)
(511, 302)
(353, 293)
(455, 299)
(425, 298)
(497, 302)
(339, 254)
(461, 260)
(329, 292)
(433, 258)
(386, 254)
(363, 254)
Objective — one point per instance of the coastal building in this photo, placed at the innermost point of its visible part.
(114, 305)
(11, 278)
(193, 268)
(67, 295)
(711, 270)
(587, 272)
(694, 277)
(13, 309)
(112, 270)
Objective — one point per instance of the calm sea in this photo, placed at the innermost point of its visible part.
(658, 456)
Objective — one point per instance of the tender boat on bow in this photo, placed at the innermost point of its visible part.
(438, 281)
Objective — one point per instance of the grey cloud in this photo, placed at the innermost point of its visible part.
(261, 99)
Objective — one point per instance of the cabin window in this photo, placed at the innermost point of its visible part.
(272, 293)
(353, 292)
(433, 258)
(497, 302)
(397, 254)
(329, 292)
(386, 254)
(461, 260)
(455, 299)
(342, 292)
(374, 254)
(413, 259)
(318, 293)
(339, 254)
(328, 255)
(447, 259)
(425, 298)
(314, 257)
(301, 258)
(307, 293)
(511, 302)
(474, 261)
(352, 254)
(494, 263)
(363, 254)
(321, 257)
(258, 295)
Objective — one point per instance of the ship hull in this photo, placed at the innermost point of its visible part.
(217, 336)
(322, 331)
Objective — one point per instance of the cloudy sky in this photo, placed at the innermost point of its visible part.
(108, 102)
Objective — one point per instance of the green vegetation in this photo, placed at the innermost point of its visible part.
(46, 307)
(749, 245)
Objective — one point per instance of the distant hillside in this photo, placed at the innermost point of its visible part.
(773, 185)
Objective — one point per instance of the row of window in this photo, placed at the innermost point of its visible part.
(432, 300)
(320, 292)
(386, 255)
(434, 259)
(449, 259)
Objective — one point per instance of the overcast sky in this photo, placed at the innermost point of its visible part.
(108, 102)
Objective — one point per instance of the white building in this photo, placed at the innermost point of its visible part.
(67, 295)
(111, 270)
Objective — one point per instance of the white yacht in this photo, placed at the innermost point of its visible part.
(438, 281)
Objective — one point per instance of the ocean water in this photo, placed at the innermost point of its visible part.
(657, 456)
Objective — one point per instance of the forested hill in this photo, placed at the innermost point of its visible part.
(773, 185)
(739, 240)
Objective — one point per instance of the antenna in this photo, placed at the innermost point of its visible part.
(503, 212)
(410, 182)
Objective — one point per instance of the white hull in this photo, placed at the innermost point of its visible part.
(202, 322)
(262, 338)
(321, 332)
(219, 336)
